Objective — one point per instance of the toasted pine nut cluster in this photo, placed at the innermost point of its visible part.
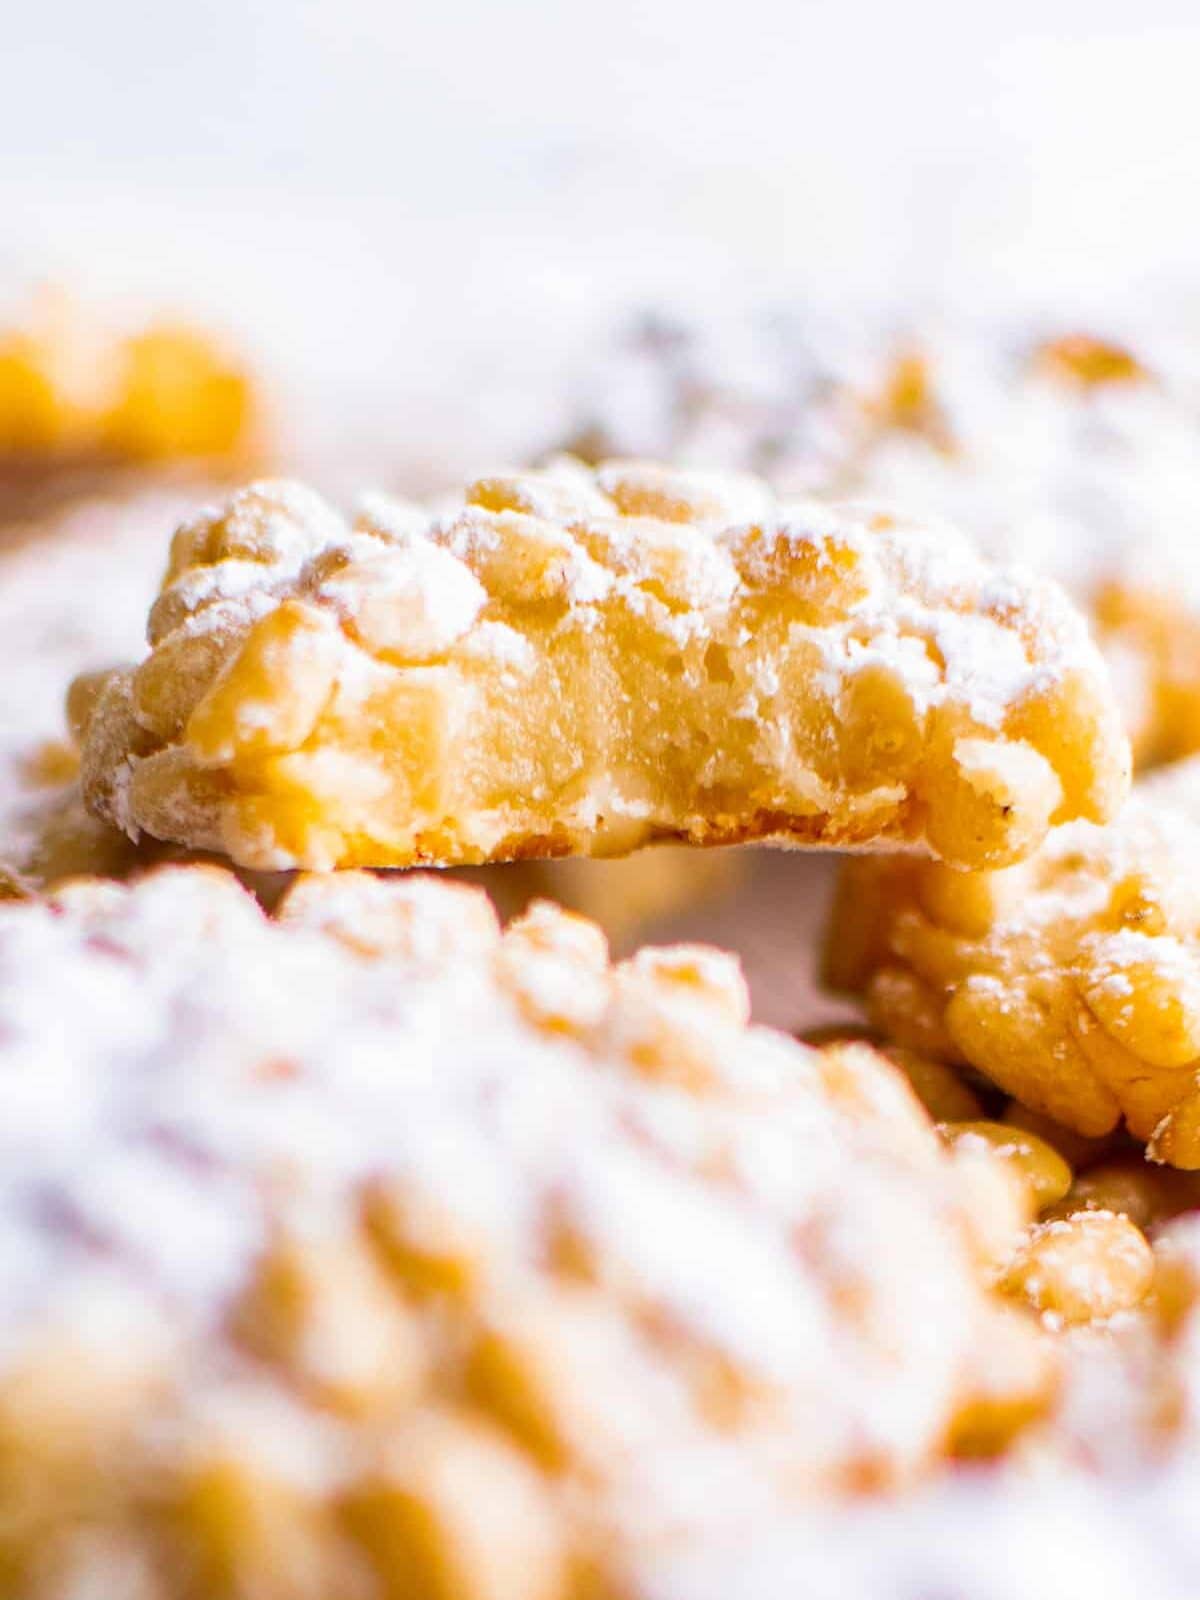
(579, 662)
(367, 1246)
(1068, 1227)
(1071, 980)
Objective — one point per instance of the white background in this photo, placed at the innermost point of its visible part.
(373, 189)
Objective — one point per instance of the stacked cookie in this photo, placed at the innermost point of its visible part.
(356, 1247)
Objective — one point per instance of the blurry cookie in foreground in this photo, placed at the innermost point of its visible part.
(1128, 1401)
(585, 662)
(84, 398)
(1107, 1260)
(1071, 980)
(367, 1247)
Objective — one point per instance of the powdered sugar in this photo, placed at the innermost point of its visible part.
(646, 588)
(1073, 456)
(205, 1079)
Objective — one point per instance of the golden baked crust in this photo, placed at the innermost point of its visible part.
(1072, 980)
(577, 662)
(367, 1245)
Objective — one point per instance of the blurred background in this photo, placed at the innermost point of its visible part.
(420, 206)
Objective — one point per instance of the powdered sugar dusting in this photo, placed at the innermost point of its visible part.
(721, 602)
(208, 1076)
(1073, 455)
